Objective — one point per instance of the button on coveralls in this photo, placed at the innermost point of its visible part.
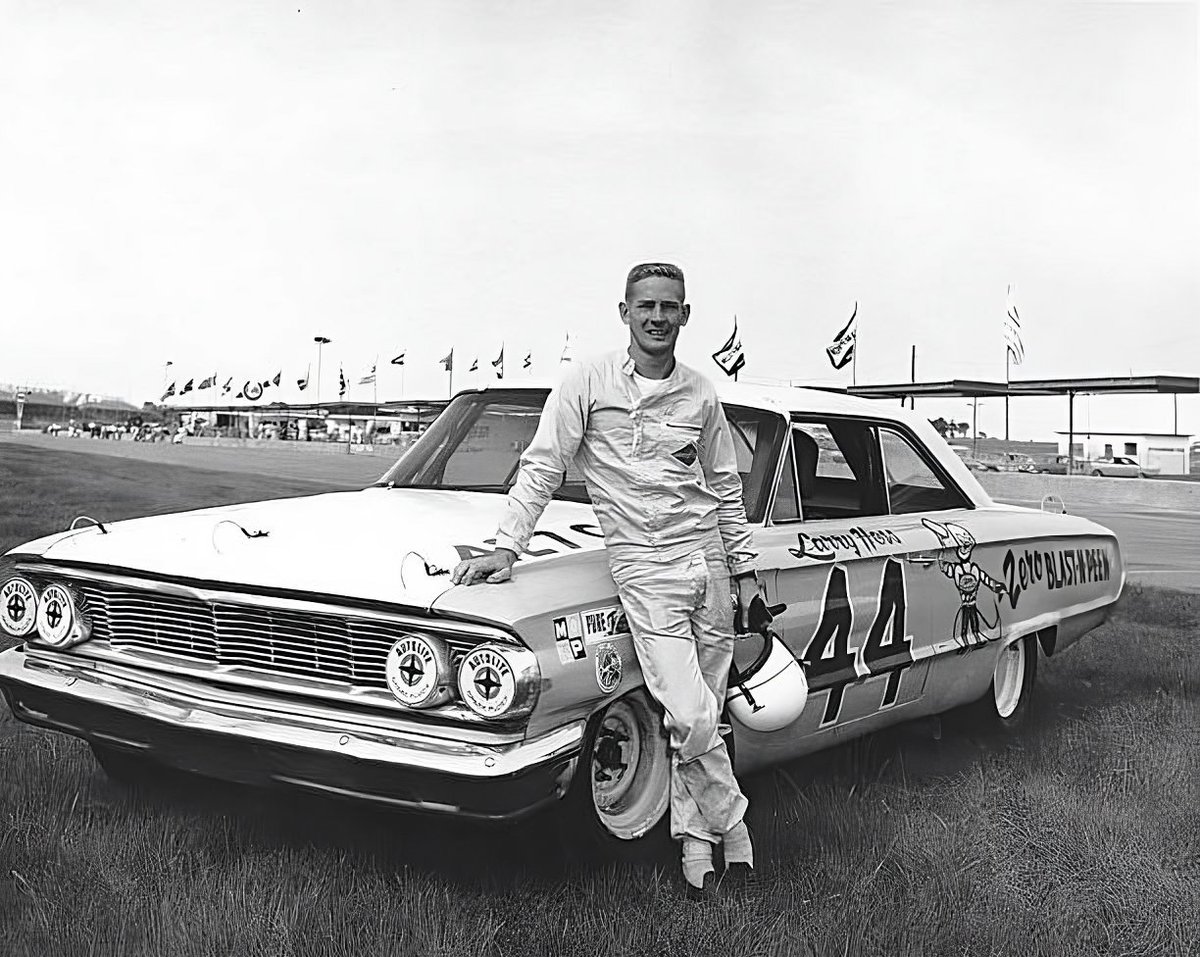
(663, 479)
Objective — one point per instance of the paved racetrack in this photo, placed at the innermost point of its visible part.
(1161, 546)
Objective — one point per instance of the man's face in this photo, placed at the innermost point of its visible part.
(655, 311)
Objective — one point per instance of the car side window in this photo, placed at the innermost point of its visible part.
(838, 469)
(913, 485)
(757, 435)
(787, 499)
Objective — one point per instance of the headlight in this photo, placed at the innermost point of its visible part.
(419, 671)
(18, 607)
(498, 681)
(59, 620)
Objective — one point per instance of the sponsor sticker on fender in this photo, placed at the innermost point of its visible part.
(608, 668)
(568, 638)
(487, 682)
(602, 624)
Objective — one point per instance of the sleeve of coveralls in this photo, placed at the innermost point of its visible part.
(721, 472)
(544, 462)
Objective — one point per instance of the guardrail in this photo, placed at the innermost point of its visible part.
(1093, 490)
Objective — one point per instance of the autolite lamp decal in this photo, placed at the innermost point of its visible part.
(55, 614)
(486, 682)
(18, 607)
(412, 671)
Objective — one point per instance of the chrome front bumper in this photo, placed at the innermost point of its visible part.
(255, 738)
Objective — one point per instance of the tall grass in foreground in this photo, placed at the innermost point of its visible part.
(1079, 836)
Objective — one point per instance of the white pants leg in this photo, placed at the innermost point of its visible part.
(682, 624)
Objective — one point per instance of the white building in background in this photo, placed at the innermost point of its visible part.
(1168, 453)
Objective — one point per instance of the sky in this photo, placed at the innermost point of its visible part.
(215, 184)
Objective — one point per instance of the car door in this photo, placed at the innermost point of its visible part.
(833, 553)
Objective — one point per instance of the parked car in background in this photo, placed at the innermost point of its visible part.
(1122, 466)
(319, 643)
(1018, 462)
(973, 462)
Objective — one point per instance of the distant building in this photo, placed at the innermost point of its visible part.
(44, 407)
(1168, 453)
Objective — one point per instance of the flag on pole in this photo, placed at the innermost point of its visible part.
(302, 384)
(565, 357)
(227, 386)
(208, 383)
(474, 365)
(498, 363)
(528, 360)
(278, 375)
(1012, 329)
(399, 360)
(170, 392)
(187, 386)
(341, 382)
(448, 361)
(369, 378)
(730, 357)
(841, 350)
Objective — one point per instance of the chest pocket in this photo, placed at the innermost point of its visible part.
(681, 440)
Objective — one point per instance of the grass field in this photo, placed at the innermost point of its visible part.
(1079, 836)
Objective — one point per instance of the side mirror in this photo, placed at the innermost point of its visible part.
(1052, 503)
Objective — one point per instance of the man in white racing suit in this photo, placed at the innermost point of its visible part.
(650, 439)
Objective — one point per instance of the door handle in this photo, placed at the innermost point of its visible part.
(922, 558)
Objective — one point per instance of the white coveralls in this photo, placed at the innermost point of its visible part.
(662, 474)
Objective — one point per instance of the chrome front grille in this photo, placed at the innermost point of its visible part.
(342, 649)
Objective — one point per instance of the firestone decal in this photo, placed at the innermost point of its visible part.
(1058, 568)
(859, 541)
(971, 627)
(608, 668)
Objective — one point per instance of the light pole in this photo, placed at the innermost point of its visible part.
(320, 341)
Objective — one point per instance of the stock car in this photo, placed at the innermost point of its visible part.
(318, 643)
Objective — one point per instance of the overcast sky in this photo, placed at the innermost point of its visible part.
(215, 183)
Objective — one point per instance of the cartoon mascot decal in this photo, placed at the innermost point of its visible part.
(971, 628)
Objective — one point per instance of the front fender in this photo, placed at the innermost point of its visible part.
(545, 603)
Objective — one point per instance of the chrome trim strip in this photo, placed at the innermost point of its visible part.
(290, 724)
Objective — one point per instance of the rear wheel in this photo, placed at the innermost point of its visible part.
(1006, 704)
(1097, 472)
(617, 803)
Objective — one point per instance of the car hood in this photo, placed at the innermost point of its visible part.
(393, 545)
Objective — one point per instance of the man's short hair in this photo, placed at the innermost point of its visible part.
(642, 270)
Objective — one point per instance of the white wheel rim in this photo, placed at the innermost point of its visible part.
(629, 769)
(1009, 680)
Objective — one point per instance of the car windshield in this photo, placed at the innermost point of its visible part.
(476, 445)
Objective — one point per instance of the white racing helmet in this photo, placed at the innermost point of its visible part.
(770, 692)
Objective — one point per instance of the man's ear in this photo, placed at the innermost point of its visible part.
(687, 312)
(623, 309)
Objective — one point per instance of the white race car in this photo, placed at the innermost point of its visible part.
(318, 643)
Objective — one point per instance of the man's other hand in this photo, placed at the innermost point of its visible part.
(493, 568)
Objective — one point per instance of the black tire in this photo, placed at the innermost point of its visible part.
(1097, 472)
(618, 804)
(1005, 706)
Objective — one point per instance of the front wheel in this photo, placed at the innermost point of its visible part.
(1006, 704)
(617, 803)
(1097, 472)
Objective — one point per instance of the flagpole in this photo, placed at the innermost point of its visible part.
(1007, 359)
